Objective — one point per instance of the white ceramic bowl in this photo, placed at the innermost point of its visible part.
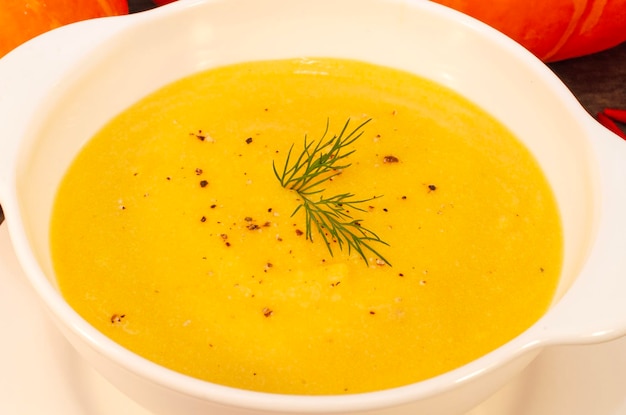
(57, 91)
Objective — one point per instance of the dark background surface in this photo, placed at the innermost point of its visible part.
(598, 81)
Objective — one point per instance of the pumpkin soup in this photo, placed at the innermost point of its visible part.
(173, 235)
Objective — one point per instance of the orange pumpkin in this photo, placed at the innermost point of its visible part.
(553, 29)
(21, 20)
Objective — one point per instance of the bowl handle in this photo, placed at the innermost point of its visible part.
(31, 71)
(594, 309)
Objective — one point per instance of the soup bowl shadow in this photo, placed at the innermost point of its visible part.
(60, 88)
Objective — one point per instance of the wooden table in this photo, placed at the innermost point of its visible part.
(598, 80)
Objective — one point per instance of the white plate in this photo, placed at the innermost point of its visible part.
(41, 374)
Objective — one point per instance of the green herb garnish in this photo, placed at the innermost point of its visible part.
(318, 163)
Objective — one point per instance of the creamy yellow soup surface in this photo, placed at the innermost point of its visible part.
(172, 235)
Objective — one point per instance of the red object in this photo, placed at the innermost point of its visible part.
(21, 20)
(162, 2)
(609, 123)
(556, 29)
(615, 114)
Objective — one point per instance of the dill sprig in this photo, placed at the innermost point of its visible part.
(318, 163)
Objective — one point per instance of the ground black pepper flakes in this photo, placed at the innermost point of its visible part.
(203, 219)
(267, 312)
(299, 232)
(432, 187)
(198, 171)
(199, 135)
(225, 239)
(204, 183)
(249, 140)
(117, 318)
(390, 159)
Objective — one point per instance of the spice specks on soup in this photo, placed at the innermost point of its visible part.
(177, 195)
